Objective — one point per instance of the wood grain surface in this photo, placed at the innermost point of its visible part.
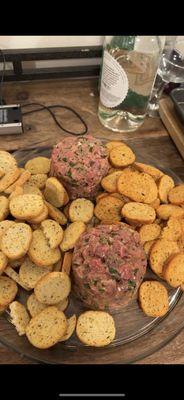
(40, 129)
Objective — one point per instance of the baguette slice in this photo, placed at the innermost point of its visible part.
(173, 270)
(153, 298)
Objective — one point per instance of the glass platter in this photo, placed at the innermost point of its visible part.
(137, 335)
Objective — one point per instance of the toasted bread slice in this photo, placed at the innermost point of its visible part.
(16, 240)
(137, 186)
(159, 254)
(53, 288)
(71, 324)
(138, 213)
(165, 184)
(165, 211)
(8, 290)
(173, 230)
(38, 165)
(149, 169)
(109, 208)
(148, 246)
(121, 156)
(19, 317)
(41, 217)
(176, 195)
(4, 207)
(55, 192)
(46, 329)
(3, 262)
(7, 162)
(40, 252)
(56, 214)
(24, 177)
(53, 232)
(67, 262)
(95, 328)
(109, 182)
(153, 298)
(9, 178)
(173, 270)
(81, 210)
(30, 273)
(71, 235)
(35, 307)
(112, 144)
(26, 206)
(38, 180)
(149, 232)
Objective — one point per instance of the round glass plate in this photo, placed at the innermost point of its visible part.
(137, 335)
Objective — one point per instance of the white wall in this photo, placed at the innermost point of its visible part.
(18, 42)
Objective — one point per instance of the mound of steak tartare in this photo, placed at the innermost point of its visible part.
(108, 266)
(80, 163)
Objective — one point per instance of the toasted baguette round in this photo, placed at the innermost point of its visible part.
(16, 240)
(148, 246)
(137, 186)
(41, 217)
(165, 184)
(67, 262)
(16, 192)
(55, 192)
(24, 177)
(53, 232)
(53, 288)
(71, 235)
(40, 252)
(56, 214)
(71, 324)
(15, 276)
(4, 225)
(30, 188)
(26, 206)
(173, 230)
(159, 254)
(4, 207)
(165, 211)
(38, 165)
(138, 213)
(45, 329)
(149, 169)
(19, 317)
(8, 290)
(173, 270)
(109, 208)
(155, 204)
(38, 180)
(153, 298)
(3, 262)
(30, 273)
(81, 210)
(7, 162)
(9, 178)
(35, 307)
(176, 195)
(112, 144)
(121, 156)
(95, 328)
(149, 232)
(109, 182)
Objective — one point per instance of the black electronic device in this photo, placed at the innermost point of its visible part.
(10, 119)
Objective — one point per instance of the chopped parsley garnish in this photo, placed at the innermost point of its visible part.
(113, 271)
(69, 173)
(95, 281)
(90, 149)
(131, 284)
(86, 285)
(101, 290)
(103, 240)
(65, 159)
(136, 270)
(71, 164)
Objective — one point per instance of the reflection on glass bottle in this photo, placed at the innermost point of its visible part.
(128, 71)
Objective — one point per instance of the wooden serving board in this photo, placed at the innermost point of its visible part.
(172, 122)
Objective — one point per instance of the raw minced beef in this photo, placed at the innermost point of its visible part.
(80, 163)
(109, 264)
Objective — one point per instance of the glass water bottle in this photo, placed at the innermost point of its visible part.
(127, 75)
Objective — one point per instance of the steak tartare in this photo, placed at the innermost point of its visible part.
(80, 163)
(108, 266)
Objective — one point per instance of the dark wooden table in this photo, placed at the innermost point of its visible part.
(39, 130)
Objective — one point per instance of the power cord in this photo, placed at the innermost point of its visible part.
(49, 109)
